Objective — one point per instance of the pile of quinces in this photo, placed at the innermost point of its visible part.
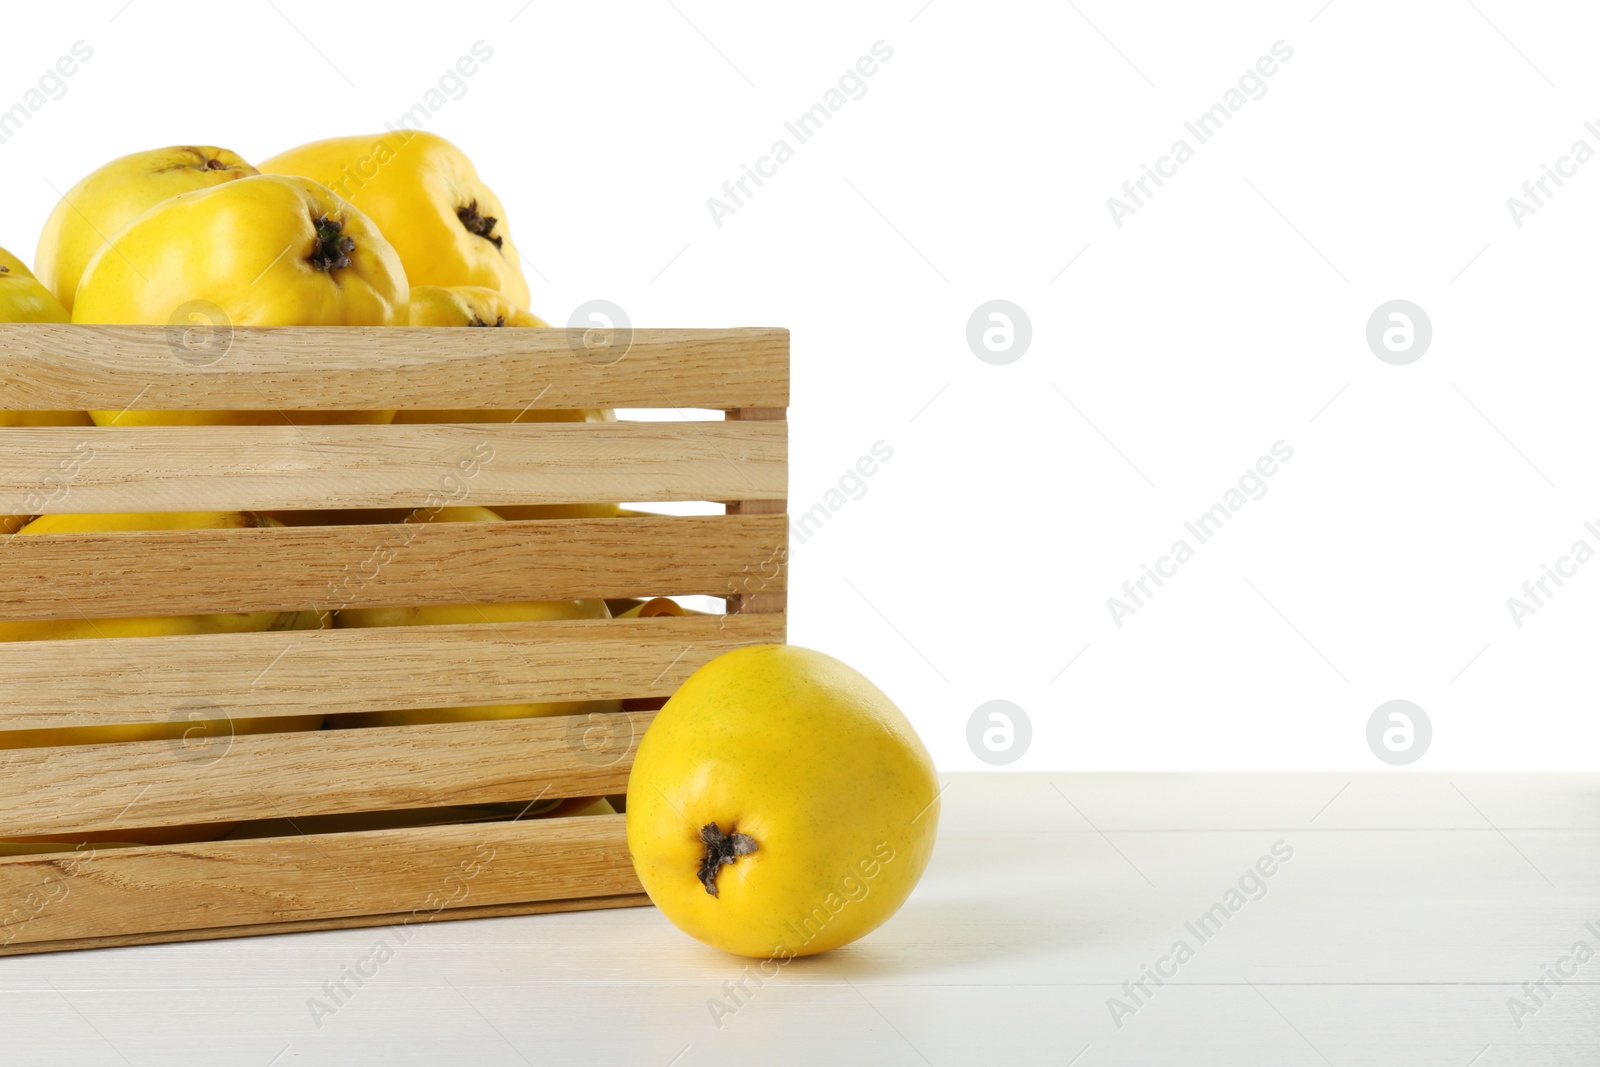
(393, 229)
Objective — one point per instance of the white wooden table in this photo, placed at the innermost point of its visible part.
(1412, 909)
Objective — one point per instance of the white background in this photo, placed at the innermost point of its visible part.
(1227, 314)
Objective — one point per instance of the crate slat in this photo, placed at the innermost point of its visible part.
(243, 468)
(159, 679)
(50, 367)
(286, 879)
(178, 572)
(215, 933)
(88, 788)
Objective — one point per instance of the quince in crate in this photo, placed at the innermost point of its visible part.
(258, 251)
(24, 299)
(425, 195)
(112, 196)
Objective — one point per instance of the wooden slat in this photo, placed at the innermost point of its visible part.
(761, 590)
(174, 572)
(240, 468)
(285, 879)
(157, 679)
(48, 367)
(85, 788)
(217, 933)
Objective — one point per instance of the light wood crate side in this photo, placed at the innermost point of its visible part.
(258, 468)
(390, 877)
(161, 679)
(399, 921)
(416, 872)
(51, 367)
(762, 589)
(223, 778)
(175, 572)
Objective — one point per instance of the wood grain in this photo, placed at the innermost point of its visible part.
(174, 572)
(761, 589)
(241, 468)
(347, 922)
(158, 679)
(85, 788)
(413, 873)
(44, 367)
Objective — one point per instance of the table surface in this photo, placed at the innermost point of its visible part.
(1404, 921)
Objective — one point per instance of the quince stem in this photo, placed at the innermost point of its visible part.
(721, 848)
(332, 250)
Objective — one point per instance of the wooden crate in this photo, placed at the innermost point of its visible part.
(736, 454)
